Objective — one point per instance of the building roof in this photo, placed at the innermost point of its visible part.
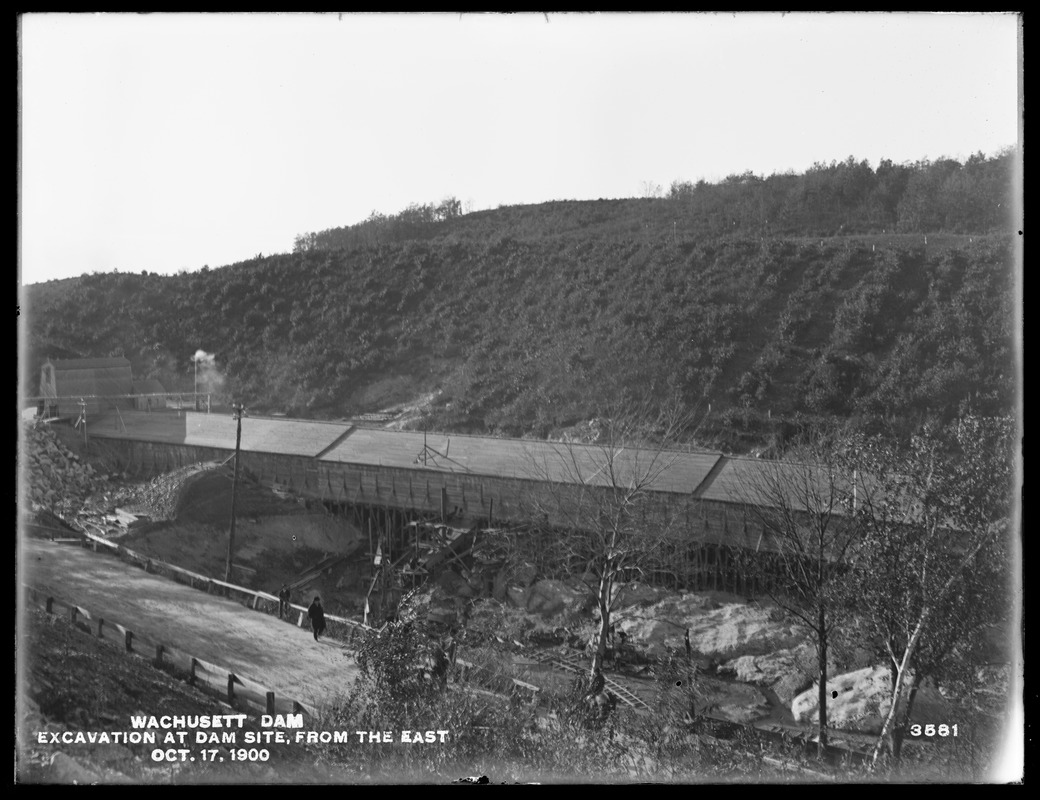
(671, 471)
(88, 377)
(801, 487)
(88, 363)
(259, 435)
(700, 475)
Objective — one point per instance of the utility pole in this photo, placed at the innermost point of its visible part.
(83, 419)
(239, 410)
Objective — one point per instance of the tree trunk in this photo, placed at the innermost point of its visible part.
(604, 624)
(899, 729)
(822, 652)
(897, 689)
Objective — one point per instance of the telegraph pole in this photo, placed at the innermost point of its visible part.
(239, 410)
(83, 419)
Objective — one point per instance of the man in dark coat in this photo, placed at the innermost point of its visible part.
(317, 615)
(284, 597)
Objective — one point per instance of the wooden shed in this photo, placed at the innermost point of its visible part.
(103, 384)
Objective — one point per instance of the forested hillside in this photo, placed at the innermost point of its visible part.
(773, 301)
(827, 200)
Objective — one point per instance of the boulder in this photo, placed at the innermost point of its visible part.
(786, 672)
(791, 685)
(860, 700)
(548, 597)
(638, 594)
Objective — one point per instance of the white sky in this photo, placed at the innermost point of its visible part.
(166, 142)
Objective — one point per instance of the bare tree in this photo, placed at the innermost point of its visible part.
(937, 515)
(652, 189)
(605, 498)
(807, 546)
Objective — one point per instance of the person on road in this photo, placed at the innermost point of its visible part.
(284, 597)
(317, 615)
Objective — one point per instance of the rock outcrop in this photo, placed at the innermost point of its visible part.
(860, 701)
(787, 672)
(718, 632)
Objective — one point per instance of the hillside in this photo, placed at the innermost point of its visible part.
(528, 319)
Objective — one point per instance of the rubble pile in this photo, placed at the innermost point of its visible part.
(57, 478)
(443, 601)
(158, 498)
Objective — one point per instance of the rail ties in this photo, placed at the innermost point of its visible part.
(568, 662)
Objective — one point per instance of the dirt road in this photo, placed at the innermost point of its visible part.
(275, 654)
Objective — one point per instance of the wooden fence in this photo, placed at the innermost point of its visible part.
(236, 689)
(339, 628)
(235, 686)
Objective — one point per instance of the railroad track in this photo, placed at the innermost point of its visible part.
(575, 665)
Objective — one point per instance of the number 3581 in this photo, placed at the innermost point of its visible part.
(933, 730)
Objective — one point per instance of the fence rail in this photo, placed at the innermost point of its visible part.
(223, 680)
(204, 674)
(348, 630)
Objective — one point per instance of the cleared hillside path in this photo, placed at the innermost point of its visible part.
(276, 654)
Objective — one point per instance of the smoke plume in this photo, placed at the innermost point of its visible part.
(210, 378)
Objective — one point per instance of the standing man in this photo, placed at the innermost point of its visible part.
(317, 615)
(284, 597)
(689, 650)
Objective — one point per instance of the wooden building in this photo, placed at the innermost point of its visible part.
(103, 384)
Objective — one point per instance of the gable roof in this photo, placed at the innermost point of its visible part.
(66, 364)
